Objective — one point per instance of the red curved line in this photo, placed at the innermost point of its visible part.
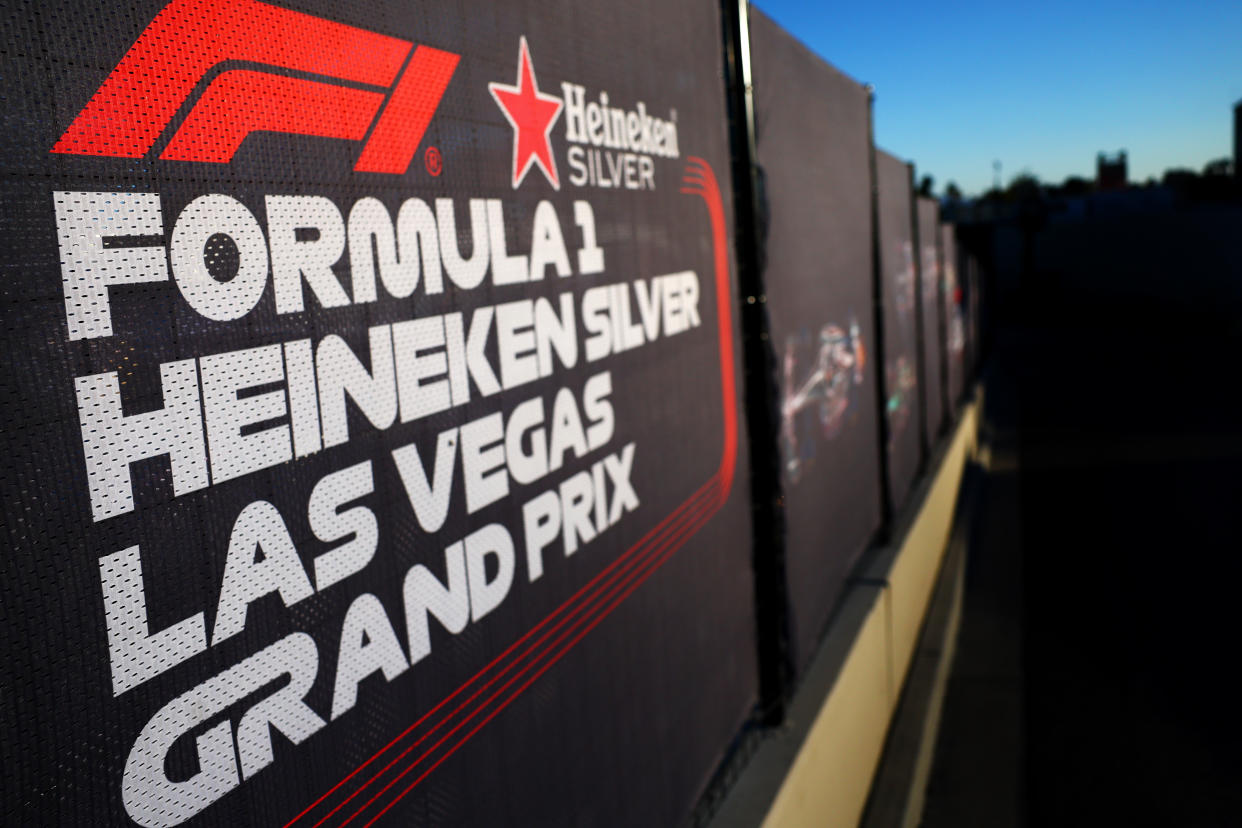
(724, 325)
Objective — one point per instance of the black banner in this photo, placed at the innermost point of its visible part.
(954, 317)
(370, 414)
(933, 318)
(901, 341)
(811, 127)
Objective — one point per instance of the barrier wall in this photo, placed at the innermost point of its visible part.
(372, 433)
(901, 327)
(811, 130)
(372, 405)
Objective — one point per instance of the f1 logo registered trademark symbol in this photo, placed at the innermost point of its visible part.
(435, 164)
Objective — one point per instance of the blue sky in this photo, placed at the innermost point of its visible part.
(1040, 86)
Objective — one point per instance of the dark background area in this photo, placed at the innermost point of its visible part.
(1094, 684)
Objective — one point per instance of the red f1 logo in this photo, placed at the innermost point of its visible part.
(189, 39)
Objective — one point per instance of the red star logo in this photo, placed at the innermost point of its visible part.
(531, 114)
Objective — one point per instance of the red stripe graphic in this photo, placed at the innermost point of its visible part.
(400, 128)
(596, 612)
(699, 521)
(240, 102)
(599, 580)
(188, 38)
(584, 597)
(589, 606)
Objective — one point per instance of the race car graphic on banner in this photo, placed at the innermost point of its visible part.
(901, 377)
(827, 386)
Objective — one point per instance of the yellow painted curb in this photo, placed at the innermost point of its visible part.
(913, 573)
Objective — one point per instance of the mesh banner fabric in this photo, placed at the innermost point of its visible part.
(371, 431)
(932, 310)
(811, 127)
(954, 317)
(901, 341)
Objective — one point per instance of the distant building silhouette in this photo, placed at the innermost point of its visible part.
(1110, 171)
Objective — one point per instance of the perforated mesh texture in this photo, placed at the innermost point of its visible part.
(253, 288)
